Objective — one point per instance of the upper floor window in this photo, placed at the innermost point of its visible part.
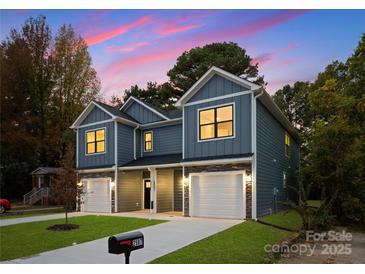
(95, 141)
(148, 141)
(216, 122)
(287, 144)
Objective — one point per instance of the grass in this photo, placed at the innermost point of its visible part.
(22, 214)
(32, 238)
(240, 244)
(289, 219)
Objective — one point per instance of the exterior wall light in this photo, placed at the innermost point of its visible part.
(248, 178)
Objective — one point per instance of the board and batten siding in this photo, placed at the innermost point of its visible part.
(216, 86)
(164, 190)
(130, 191)
(142, 114)
(240, 144)
(96, 160)
(125, 144)
(272, 161)
(96, 115)
(166, 140)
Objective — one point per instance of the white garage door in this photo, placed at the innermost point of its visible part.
(97, 195)
(219, 196)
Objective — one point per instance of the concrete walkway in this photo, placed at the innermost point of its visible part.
(14, 221)
(159, 240)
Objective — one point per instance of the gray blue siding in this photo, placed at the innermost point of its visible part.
(96, 115)
(125, 144)
(216, 86)
(96, 160)
(166, 140)
(240, 144)
(271, 161)
(142, 114)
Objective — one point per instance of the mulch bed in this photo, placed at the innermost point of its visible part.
(63, 227)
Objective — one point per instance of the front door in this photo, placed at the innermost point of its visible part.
(147, 194)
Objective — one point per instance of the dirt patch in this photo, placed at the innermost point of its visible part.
(329, 252)
(63, 227)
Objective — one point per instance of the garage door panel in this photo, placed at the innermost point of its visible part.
(218, 196)
(97, 196)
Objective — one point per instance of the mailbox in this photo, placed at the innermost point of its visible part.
(126, 243)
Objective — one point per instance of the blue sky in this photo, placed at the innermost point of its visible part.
(135, 46)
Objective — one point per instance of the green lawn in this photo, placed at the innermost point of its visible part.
(289, 219)
(241, 244)
(32, 238)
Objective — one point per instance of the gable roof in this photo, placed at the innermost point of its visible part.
(207, 76)
(114, 112)
(46, 170)
(160, 112)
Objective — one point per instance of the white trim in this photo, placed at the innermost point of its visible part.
(254, 148)
(96, 123)
(95, 170)
(217, 138)
(208, 75)
(105, 145)
(162, 123)
(77, 148)
(221, 161)
(141, 136)
(125, 106)
(135, 142)
(150, 166)
(183, 133)
(219, 173)
(125, 121)
(153, 178)
(116, 166)
(83, 115)
(183, 191)
(144, 141)
(219, 98)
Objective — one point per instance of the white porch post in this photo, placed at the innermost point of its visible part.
(153, 192)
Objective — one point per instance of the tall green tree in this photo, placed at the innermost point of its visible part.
(192, 64)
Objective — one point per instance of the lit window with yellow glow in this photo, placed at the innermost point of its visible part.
(216, 123)
(287, 144)
(95, 141)
(148, 141)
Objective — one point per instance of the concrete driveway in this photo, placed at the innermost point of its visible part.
(159, 240)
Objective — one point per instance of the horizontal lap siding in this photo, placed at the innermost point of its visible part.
(271, 161)
(166, 140)
(142, 114)
(216, 86)
(165, 179)
(97, 160)
(178, 186)
(239, 145)
(125, 144)
(96, 115)
(129, 191)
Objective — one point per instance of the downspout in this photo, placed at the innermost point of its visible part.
(116, 166)
(254, 148)
(153, 188)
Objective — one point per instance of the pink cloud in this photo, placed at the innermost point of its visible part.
(270, 56)
(128, 48)
(109, 34)
(171, 29)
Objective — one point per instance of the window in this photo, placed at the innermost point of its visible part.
(148, 141)
(216, 123)
(95, 141)
(285, 179)
(287, 144)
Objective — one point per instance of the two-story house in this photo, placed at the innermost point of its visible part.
(226, 151)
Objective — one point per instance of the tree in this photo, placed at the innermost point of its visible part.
(192, 64)
(66, 190)
(75, 84)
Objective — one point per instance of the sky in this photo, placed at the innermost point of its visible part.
(131, 47)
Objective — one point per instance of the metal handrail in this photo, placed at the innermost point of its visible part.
(39, 194)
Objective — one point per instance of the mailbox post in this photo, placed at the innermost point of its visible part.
(126, 243)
